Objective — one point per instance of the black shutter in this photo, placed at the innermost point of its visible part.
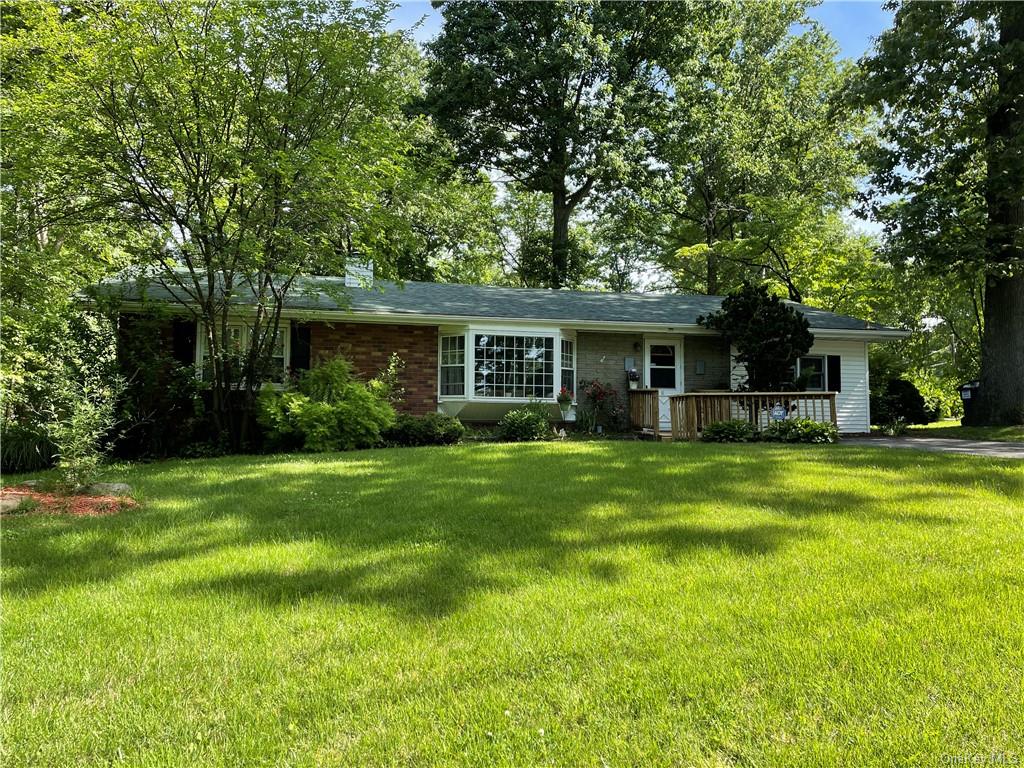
(835, 377)
(183, 341)
(300, 347)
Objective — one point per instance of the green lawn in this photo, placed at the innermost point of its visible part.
(573, 604)
(952, 428)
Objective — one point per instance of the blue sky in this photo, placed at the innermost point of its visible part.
(852, 24)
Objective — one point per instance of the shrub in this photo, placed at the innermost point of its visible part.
(387, 385)
(733, 431)
(899, 401)
(600, 404)
(328, 411)
(63, 393)
(894, 429)
(429, 429)
(523, 424)
(160, 410)
(77, 437)
(800, 431)
(24, 448)
(769, 335)
(327, 381)
(941, 399)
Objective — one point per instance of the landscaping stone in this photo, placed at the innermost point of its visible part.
(109, 489)
(9, 503)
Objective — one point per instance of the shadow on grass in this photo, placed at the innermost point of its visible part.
(421, 531)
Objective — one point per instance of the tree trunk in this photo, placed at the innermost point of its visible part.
(561, 212)
(712, 262)
(1001, 399)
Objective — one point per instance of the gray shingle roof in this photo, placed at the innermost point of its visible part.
(451, 300)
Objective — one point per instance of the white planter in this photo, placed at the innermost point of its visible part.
(568, 412)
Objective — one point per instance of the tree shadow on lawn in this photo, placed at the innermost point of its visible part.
(422, 530)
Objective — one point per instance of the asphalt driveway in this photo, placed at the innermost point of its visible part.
(991, 448)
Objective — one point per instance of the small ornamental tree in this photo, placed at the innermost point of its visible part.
(769, 336)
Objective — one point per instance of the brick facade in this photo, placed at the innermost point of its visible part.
(602, 356)
(714, 352)
(369, 345)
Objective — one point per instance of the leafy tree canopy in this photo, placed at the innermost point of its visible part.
(555, 96)
(948, 169)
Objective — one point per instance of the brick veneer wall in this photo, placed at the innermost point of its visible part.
(714, 351)
(369, 345)
(602, 356)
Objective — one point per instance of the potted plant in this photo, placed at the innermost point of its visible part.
(564, 399)
(633, 375)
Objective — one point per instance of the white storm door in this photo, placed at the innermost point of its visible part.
(663, 371)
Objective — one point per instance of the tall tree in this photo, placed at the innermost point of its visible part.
(756, 154)
(553, 96)
(948, 171)
(523, 228)
(250, 144)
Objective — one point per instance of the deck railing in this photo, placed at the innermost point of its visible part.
(692, 411)
(643, 409)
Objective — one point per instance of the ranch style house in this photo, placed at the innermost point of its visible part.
(475, 351)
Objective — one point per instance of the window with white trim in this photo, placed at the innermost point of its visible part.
(506, 365)
(568, 369)
(237, 343)
(453, 365)
(810, 373)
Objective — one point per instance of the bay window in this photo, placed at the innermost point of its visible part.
(513, 366)
(453, 365)
(568, 369)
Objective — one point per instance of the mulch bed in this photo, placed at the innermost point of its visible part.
(76, 504)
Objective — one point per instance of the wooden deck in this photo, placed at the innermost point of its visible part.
(691, 411)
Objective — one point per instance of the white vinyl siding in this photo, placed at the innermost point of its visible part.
(852, 409)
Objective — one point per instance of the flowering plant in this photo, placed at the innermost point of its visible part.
(564, 396)
(633, 374)
(604, 403)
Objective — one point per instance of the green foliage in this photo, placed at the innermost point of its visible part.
(24, 447)
(600, 404)
(524, 424)
(593, 69)
(328, 411)
(769, 336)
(429, 429)
(941, 401)
(756, 155)
(160, 410)
(328, 381)
(387, 385)
(732, 431)
(64, 390)
(76, 436)
(288, 139)
(899, 401)
(800, 431)
(948, 169)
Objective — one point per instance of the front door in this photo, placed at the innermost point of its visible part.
(663, 370)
